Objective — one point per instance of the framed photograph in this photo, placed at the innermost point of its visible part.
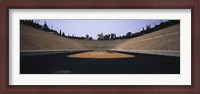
(87, 47)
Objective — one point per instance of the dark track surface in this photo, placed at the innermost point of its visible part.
(61, 64)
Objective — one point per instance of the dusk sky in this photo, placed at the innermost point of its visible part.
(94, 27)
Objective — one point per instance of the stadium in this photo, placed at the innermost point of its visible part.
(152, 51)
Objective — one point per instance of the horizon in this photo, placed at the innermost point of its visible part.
(94, 27)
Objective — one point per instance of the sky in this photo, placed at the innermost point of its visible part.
(94, 27)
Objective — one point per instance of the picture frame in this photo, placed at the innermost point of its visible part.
(90, 89)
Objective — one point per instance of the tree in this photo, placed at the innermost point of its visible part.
(60, 32)
(63, 34)
(106, 37)
(148, 27)
(90, 38)
(128, 35)
(45, 26)
(113, 36)
(87, 36)
(100, 36)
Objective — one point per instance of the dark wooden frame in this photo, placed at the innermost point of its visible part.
(89, 4)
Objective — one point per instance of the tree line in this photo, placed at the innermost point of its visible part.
(128, 35)
(101, 36)
(46, 28)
